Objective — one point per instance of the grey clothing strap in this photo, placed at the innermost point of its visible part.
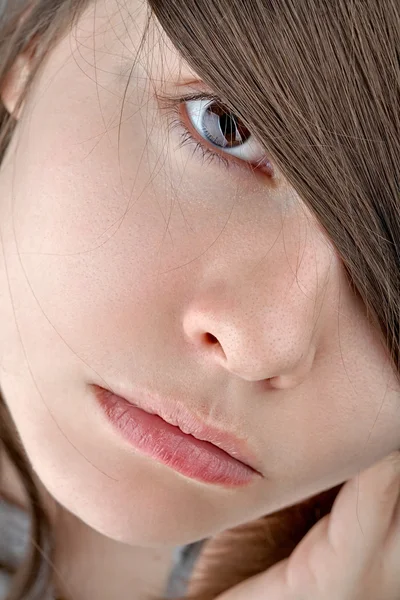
(186, 557)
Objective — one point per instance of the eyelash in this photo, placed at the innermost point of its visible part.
(187, 139)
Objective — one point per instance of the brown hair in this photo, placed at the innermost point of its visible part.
(318, 83)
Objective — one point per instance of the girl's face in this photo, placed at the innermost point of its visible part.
(131, 263)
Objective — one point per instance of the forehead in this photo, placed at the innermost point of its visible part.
(128, 35)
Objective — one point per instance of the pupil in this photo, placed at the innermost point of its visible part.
(228, 128)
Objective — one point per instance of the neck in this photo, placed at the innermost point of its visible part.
(90, 565)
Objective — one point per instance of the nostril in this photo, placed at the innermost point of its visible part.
(209, 338)
(212, 344)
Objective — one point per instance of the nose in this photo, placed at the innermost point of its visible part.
(256, 333)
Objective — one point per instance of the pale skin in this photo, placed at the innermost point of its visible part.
(122, 256)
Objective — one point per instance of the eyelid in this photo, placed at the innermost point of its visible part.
(170, 101)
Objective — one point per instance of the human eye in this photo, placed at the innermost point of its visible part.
(218, 133)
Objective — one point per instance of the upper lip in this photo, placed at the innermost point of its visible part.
(176, 413)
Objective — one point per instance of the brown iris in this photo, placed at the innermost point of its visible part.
(223, 128)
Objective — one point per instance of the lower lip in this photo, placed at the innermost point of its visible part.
(167, 444)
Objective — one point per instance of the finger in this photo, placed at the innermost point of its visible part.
(364, 509)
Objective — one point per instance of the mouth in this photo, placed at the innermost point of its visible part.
(169, 434)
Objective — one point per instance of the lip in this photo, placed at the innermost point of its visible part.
(169, 433)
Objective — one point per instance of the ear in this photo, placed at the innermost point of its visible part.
(14, 85)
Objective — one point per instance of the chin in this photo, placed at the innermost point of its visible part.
(163, 511)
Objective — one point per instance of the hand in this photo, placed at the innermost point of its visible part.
(351, 554)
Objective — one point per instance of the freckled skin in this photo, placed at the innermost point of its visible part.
(143, 267)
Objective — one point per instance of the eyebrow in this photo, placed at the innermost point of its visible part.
(179, 78)
(127, 67)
